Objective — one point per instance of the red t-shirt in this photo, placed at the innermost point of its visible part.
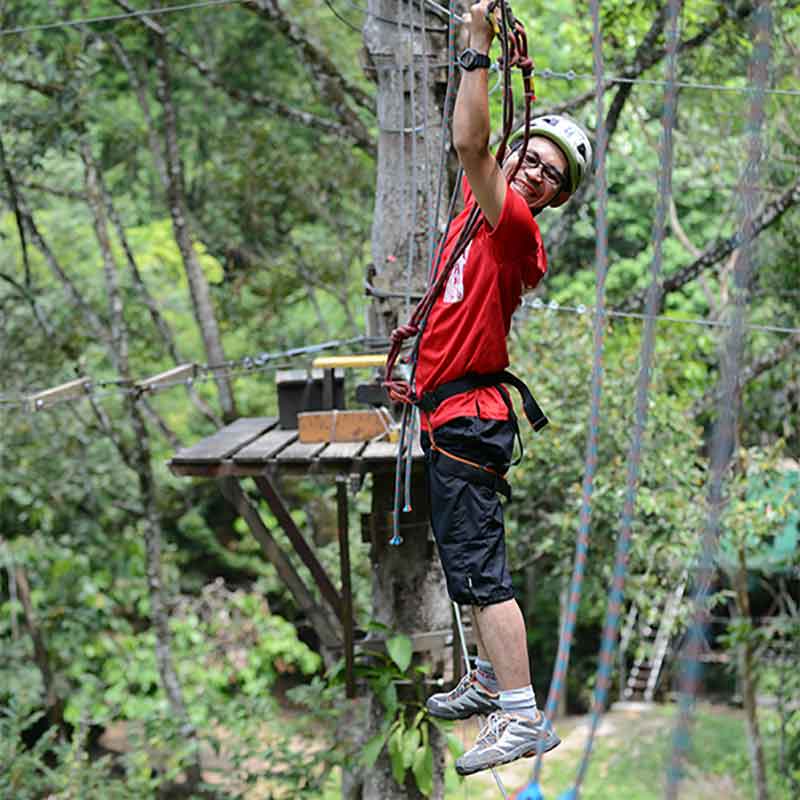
(468, 324)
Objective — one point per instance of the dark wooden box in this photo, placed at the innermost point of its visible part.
(305, 390)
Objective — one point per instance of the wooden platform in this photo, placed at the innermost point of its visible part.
(258, 448)
(249, 446)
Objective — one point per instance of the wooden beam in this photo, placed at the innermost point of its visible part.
(324, 626)
(347, 593)
(281, 513)
(66, 391)
(165, 380)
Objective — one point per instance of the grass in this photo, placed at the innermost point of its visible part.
(628, 760)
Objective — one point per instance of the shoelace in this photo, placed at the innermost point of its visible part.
(462, 687)
(493, 728)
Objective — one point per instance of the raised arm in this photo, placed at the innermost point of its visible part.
(471, 126)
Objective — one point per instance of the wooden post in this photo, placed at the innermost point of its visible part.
(347, 594)
(404, 42)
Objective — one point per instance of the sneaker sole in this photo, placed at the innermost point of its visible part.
(549, 744)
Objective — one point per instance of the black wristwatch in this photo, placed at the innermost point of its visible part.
(471, 59)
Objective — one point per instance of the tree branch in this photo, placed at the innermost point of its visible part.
(754, 370)
(646, 56)
(8, 177)
(350, 128)
(719, 250)
(335, 88)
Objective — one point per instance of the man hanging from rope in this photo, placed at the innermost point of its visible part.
(469, 427)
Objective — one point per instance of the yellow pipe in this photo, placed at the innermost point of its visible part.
(334, 362)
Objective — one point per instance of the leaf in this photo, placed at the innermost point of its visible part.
(401, 650)
(388, 697)
(396, 756)
(372, 749)
(411, 742)
(454, 745)
(422, 768)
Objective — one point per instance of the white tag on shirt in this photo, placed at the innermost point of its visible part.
(454, 290)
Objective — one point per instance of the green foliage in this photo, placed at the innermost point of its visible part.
(280, 214)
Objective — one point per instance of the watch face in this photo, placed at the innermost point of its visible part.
(471, 59)
(468, 59)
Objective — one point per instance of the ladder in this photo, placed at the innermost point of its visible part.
(655, 637)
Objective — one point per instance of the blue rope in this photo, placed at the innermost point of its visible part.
(616, 591)
(557, 683)
(723, 436)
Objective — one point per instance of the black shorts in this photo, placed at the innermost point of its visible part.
(467, 518)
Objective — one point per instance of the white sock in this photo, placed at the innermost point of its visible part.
(521, 702)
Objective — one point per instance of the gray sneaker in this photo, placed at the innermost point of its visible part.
(466, 700)
(505, 738)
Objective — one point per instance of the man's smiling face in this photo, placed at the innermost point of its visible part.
(541, 175)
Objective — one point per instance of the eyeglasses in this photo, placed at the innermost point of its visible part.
(551, 174)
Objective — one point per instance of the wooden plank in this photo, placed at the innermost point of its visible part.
(387, 451)
(341, 451)
(221, 469)
(300, 452)
(225, 442)
(199, 470)
(359, 425)
(281, 512)
(347, 590)
(265, 447)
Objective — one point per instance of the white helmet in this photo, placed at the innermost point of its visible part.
(573, 142)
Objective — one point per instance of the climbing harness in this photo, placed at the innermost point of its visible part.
(462, 467)
(514, 47)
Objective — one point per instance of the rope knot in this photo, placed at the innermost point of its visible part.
(403, 332)
(525, 63)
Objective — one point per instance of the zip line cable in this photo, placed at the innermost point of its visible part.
(570, 75)
(538, 304)
(254, 364)
(152, 12)
(201, 372)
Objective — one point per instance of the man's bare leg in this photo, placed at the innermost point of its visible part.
(482, 651)
(500, 631)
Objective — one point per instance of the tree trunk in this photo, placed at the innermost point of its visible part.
(176, 199)
(139, 458)
(158, 607)
(53, 703)
(746, 656)
(409, 593)
(410, 98)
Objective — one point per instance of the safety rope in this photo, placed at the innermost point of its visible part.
(514, 53)
(616, 591)
(465, 657)
(723, 436)
(557, 682)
